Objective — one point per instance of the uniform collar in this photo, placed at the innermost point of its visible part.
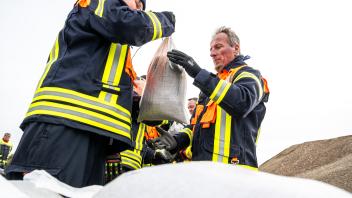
(238, 61)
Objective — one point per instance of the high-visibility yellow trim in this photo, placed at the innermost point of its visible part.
(256, 140)
(51, 97)
(218, 86)
(84, 96)
(188, 132)
(121, 64)
(154, 25)
(131, 154)
(158, 24)
(109, 62)
(217, 135)
(254, 77)
(54, 53)
(100, 8)
(222, 95)
(130, 163)
(113, 71)
(43, 104)
(111, 87)
(227, 139)
(248, 167)
(140, 138)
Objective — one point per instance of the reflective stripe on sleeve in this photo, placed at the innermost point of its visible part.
(156, 25)
(188, 132)
(100, 8)
(140, 138)
(254, 77)
(220, 91)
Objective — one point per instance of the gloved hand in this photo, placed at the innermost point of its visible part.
(185, 61)
(170, 16)
(165, 141)
(162, 156)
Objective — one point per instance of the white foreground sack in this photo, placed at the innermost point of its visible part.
(164, 96)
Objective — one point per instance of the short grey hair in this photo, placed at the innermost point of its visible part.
(232, 36)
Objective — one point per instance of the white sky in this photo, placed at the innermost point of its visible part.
(302, 47)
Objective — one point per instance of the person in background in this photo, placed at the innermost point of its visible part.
(226, 123)
(5, 149)
(81, 110)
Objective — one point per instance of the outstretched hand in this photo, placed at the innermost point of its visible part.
(185, 61)
(165, 141)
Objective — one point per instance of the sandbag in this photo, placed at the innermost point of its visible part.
(164, 96)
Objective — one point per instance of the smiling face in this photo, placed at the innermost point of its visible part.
(221, 51)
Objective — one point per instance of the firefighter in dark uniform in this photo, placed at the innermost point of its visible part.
(5, 149)
(81, 110)
(226, 123)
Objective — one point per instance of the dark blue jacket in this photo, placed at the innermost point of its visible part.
(85, 85)
(240, 112)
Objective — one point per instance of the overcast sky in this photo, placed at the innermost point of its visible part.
(302, 47)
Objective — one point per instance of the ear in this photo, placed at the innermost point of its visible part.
(236, 49)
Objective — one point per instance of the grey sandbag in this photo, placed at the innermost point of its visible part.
(164, 95)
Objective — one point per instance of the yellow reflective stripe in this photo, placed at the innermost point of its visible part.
(217, 135)
(111, 87)
(188, 132)
(113, 71)
(254, 77)
(248, 167)
(140, 138)
(223, 93)
(131, 154)
(54, 53)
(158, 24)
(131, 163)
(109, 62)
(80, 115)
(217, 88)
(256, 140)
(66, 95)
(157, 31)
(164, 122)
(222, 136)
(100, 8)
(121, 63)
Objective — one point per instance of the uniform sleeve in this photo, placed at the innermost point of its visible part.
(237, 98)
(183, 138)
(122, 25)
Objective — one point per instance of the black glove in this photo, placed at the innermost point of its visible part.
(162, 156)
(170, 16)
(185, 61)
(165, 141)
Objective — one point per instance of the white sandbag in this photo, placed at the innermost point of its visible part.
(164, 96)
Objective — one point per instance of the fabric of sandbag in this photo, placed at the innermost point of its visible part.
(164, 96)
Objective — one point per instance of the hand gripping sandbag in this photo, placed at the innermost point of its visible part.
(164, 96)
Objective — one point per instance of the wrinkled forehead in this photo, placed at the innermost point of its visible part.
(220, 38)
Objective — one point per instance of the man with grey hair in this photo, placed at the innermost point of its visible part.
(227, 119)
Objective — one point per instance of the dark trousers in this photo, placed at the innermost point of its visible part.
(73, 156)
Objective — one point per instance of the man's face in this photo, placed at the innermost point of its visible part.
(191, 105)
(134, 4)
(221, 52)
(6, 137)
